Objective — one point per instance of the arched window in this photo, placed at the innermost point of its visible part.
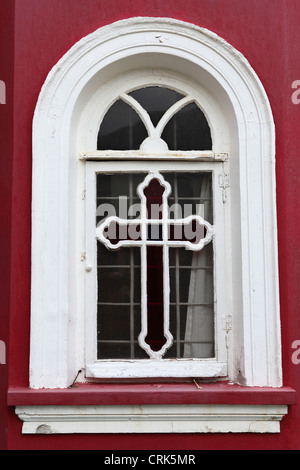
(168, 118)
(159, 228)
(130, 124)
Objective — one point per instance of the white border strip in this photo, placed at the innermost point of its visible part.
(151, 419)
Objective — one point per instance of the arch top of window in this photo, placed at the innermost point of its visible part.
(154, 121)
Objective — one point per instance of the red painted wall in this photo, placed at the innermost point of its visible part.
(6, 153)
(267, 33)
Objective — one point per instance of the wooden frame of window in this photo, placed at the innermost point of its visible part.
(152, 367)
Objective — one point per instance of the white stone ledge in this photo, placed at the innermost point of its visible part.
(151, 419)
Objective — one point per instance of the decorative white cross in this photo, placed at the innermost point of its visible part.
(155, 301)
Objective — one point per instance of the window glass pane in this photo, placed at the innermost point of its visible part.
(192, 304)
(119, 302)
(121, 129)
(117, 196)
(191, 195)
(188, 130)
(191, 277)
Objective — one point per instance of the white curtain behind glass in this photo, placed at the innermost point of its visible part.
(199, 334)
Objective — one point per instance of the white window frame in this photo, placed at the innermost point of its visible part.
(63, 129)
(150, 368)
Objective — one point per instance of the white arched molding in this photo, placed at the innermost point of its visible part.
(126, 55)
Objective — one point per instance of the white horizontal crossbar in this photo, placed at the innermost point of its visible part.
(204, 156)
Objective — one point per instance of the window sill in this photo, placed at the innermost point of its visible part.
(221, 393)
(152, 408)
(167, 368)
